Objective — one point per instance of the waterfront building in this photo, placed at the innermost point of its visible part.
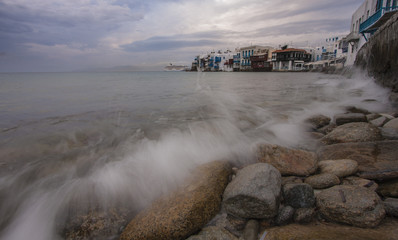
(214, 61)
(371, 15)
(290, 59)
(247, 52)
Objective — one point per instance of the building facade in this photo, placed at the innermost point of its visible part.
(371, 15)
(290, 59)
(246, 54)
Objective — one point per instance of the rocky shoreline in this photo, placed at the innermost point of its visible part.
(346, 189)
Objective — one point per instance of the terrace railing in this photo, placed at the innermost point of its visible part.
(375, 17)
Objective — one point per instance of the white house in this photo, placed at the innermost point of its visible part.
(365, 21)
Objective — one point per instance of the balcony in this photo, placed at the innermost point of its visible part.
(377, 20)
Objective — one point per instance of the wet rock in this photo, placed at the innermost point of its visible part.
(353, 109)
(285, 215)
(213, 232)
(96, 224)
(291, 179)
(345, 118)
(353, 132)
(352, 205)
(372, 116)
(327, 129)
(388, 189)
(352, 180)
(298, 195)
(304, 215)
(392, 124)
(340, 168)
(389, 133)
(288, 161)
(324, 180)
(185, 211)
(318, 121)
(254, 192)
(391, 206)
(379, 122)
(376, 160)
(332, 231)
(251, 230)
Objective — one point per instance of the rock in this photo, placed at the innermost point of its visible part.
(318, 121)
(254, 192)
(372, 116)
(331, 231)
(391, 206)
(379, 122)
(291, 179)
(327, 129)
(298, 195)
(324, 180)
(376, 160)
(285, 215)
(185, 211)
(304, 215)
(388, 189)
(316, 135)
(340, 168)
(251, 230)
(288, 161)
(213, 232)
(96, 224)
(352, 205)
(353, 109)
(341, 119)
(236, 223)
(353, 132)
(389, 133)
(369, 184)
(392, 124)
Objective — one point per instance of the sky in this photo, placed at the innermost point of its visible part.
(69, 35)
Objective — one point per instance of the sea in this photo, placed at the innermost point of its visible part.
(77, 140)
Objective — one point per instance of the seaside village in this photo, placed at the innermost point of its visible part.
(336, 52)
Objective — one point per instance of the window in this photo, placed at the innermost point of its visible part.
(367, 14)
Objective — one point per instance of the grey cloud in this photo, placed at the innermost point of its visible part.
(305, 27)
(167, 43)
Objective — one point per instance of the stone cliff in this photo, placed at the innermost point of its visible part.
(380, 54)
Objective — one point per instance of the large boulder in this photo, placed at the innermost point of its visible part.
(288, 161)
(376, 160)
(353, 132)
(324, 180)
(352, 205)
(298, 195)
(345, 118)
(340, 168)
(254, 192)
(331, 231)
(185, 211)
(392, 124)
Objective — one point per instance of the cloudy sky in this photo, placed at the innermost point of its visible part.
(65, 35)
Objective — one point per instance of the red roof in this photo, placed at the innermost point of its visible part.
(290, 50)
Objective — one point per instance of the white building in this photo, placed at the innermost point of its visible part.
(365, 21)
(215, 61)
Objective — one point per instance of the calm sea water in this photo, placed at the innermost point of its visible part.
(84, 139)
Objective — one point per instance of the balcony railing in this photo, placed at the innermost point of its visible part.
(375, 17)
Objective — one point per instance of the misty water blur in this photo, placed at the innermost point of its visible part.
(71, 142)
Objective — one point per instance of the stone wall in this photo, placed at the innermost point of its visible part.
(380, 55)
